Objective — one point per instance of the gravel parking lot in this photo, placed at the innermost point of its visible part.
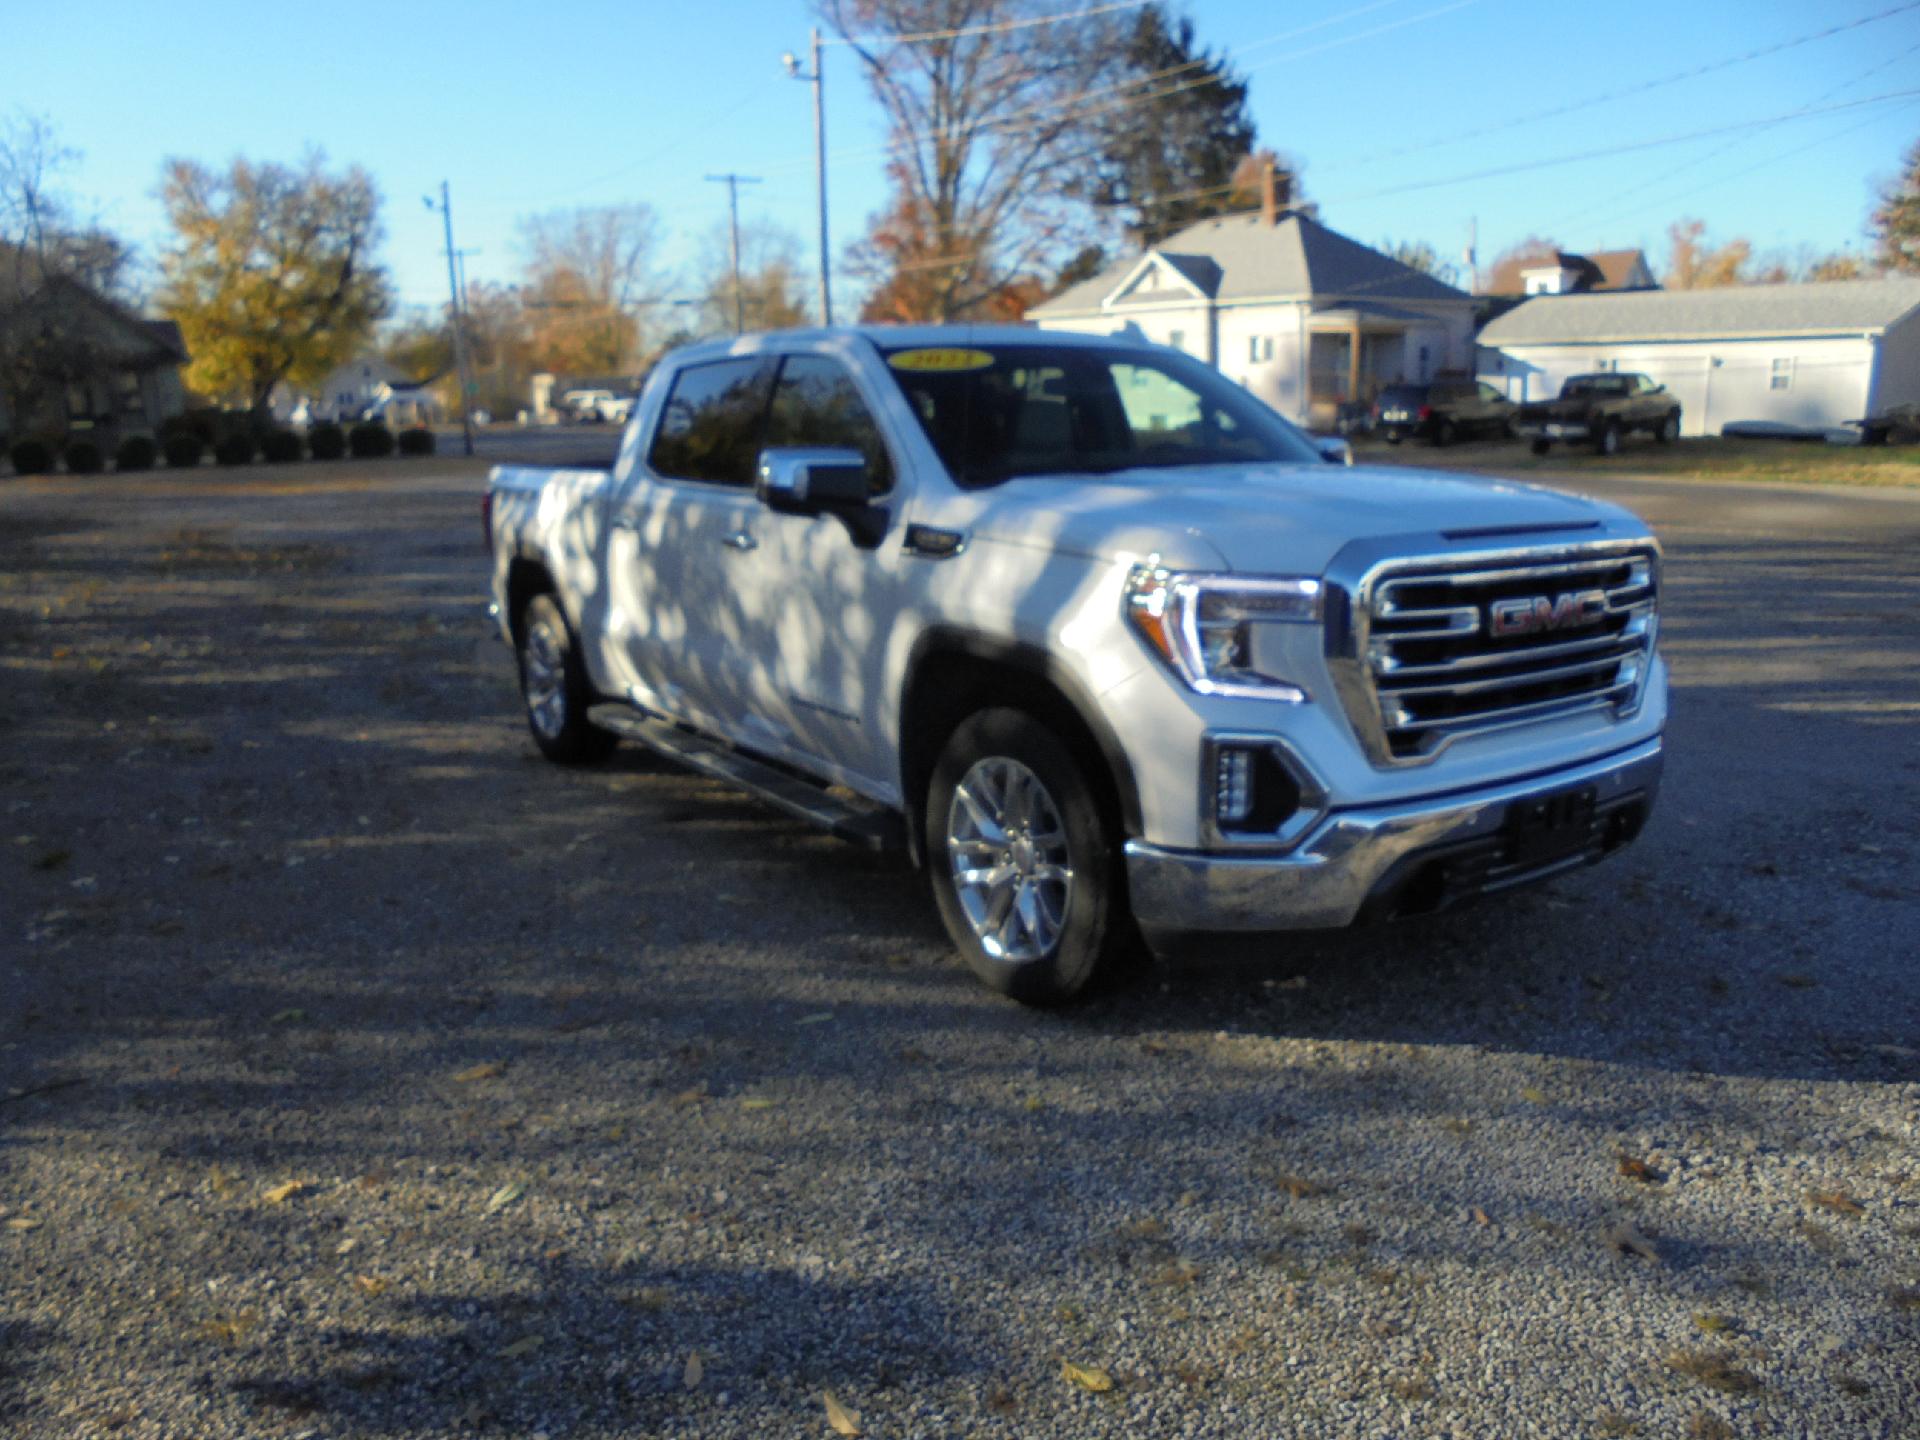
(360, 1075)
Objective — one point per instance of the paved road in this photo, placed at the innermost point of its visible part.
(574, 445)
(362, 1076)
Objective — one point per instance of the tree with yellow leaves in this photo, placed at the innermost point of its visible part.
(271, 275)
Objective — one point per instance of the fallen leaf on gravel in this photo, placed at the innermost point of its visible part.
(695, 1372)
(1633, 1168)
(285, 1191)
(819, 1019)
(1708, 1426)
(756, 1102)
(1713, 1322)
(287, 1017)
(1292, 982)
(505, 1196)
(1176, 1276)
(843, 1420)
(1838, 1201)
(693, 1096)
(1300, 1189)
(229, 1329)
(486, 1070)
(1147, 1229)
(1087, 1377)
(1629, 1241)
(219, 1181)
(1479, 1216)
(345, 1247)
(525, 1345)
(1714, 1368)
(21, 1224)
(370, 1284)
(1034, 1102)
(1533, 1095)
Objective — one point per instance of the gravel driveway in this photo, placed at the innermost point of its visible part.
(360, 1075)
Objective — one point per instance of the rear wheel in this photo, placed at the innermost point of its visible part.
(1443, 432)
(1541, 447)
(554, 685)
(1024, 865)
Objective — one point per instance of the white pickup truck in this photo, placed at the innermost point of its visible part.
(1111, 649)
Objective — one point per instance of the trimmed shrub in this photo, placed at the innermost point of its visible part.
(183, 449)
(136, 452)
(31, 457)
(204, 424)
(83, 457)
(326, 441)
(235, 449)
(416, 441)
(277, 447)
(370, 441)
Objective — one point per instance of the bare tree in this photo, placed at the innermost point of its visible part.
(589, 285)
(1693, 264)
(772, 289)
(994, 141)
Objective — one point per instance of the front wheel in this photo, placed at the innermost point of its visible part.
(1443, 434)
(1669, 430)
(1607, 442)
(554, 685)
(1023, 863)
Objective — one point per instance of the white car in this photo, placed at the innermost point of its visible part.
(1099, 639)
(597, 406)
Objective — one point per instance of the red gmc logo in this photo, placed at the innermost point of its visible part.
(1534, 614)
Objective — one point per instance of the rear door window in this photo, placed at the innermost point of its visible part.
(711, 426)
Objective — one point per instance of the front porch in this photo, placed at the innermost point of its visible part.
(1378, 336)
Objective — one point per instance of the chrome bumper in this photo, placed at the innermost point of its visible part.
(1552, 430)
(1354, 856)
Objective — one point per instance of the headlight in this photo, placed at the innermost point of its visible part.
(1209, 628)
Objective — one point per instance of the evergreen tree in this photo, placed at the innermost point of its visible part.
(1172, 140)
(1896, 223)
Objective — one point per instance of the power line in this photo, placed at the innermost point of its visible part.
(1611, 150)
(923, 37)
(1640, 89)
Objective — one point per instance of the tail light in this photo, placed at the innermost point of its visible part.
(486, 519)
(1426, 412)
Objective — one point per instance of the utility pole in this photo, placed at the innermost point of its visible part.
(818, 77)
(445, 207)
(733, 183)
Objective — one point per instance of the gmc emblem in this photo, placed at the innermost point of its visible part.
(1531, 614)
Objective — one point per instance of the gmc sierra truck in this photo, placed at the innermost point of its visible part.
(1104, 644)
(1601, 410)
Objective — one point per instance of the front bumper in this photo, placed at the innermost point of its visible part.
(1388, 860)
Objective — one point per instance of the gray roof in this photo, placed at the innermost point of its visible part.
(1249, 259)
(1825, 308)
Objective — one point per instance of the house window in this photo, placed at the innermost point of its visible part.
(1259, 349)
(132, 402)
(1782, 377)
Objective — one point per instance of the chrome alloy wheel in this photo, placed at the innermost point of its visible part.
(544, 668)
(1008, 848)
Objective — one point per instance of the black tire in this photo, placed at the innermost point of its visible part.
(1607, 440)
(1443, 433)
(554, 687)
(1668, 430)
(1541, 447)
(1092, 928)
(1393, 437)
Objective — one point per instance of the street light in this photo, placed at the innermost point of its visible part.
(818, 79)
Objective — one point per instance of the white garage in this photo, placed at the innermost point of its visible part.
(1802, 355)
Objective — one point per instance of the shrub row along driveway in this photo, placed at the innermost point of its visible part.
(360, 1075)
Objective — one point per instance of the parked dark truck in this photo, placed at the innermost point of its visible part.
(1600, 410)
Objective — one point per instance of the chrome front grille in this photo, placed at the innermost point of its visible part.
(1448, 647)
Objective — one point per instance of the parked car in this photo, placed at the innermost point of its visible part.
(1441, 411)
(1600, 410)
(590, 407)
(1093, 635)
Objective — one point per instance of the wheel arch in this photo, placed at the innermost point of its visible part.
(528, 576)
(953, 673)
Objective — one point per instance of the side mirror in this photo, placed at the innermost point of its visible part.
(1333, 449)
(811, 481)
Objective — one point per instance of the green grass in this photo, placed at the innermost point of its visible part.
(1775, 461)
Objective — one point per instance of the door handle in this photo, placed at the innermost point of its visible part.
(740, 540)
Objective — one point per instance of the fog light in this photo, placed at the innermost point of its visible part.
(1233, 786)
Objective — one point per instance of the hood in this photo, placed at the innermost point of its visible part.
(1263, 518)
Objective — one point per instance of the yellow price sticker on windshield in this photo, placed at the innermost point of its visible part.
(940, 360)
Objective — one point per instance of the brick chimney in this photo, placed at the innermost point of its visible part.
(1276, 191)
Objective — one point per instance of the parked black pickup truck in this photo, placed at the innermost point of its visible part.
(1600, 410)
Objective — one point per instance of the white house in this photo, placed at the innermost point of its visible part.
(1283, 305)
(1812, 356)
(347, 393)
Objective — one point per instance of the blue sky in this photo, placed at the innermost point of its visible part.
(525, 109)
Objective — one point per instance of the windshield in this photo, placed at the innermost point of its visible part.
(997, 412)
